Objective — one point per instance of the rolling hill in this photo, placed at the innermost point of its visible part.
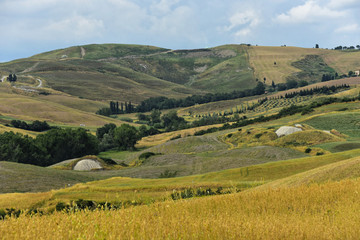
(303, 185)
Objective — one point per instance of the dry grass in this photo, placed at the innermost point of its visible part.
(343, 61)
(59, 109)
(262, 60)
(151, 141)
(148, 190)
(332, 172)
(328, 211)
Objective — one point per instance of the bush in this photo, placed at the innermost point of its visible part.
(109, 161)
(2, 214)
(308, 150)
(126, 119)
(168, 174)
(60, 206)
(146, 155)
(176, 137)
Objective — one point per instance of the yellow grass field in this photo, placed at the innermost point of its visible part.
(55, 108)
(262, 61)
(328, 211)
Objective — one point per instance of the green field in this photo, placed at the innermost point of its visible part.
(346, 122)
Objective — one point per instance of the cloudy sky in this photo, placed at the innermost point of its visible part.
(28, 27)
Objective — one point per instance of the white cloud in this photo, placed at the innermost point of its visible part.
(336, 4)
(243, 33)
(163, 6)
(243, 24)
(309, 12)
(351, 28)
(76, 26)
(249, 18)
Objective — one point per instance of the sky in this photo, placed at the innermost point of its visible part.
(29, 27)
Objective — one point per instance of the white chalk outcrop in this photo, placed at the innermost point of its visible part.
(287, 130)
(87, 165)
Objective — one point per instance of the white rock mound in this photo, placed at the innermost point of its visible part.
(87, 165)
(286, 130)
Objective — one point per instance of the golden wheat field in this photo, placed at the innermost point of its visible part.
(328, 211)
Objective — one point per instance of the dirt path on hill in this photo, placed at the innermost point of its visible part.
(40, 83)
(30, 68)
(82, 52)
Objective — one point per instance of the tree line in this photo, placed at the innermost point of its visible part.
(162, 103)
(36, 126)
(347, 48)
(287, 111)
(60, 144)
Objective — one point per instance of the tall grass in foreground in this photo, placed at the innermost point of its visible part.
(328, 211)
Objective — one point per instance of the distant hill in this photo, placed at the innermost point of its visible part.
(136, 72)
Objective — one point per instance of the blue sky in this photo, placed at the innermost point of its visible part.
(29, 27)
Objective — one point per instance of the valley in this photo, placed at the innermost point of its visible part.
(218, 166)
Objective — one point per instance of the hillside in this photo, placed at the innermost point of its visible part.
(135, 72)
(213, 170)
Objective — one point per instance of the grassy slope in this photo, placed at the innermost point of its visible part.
(120, 189)
(262, 60)
(346, 122)
(59, 109)
(328, 211)
(346, 169)
(229, 75)
(15, 177)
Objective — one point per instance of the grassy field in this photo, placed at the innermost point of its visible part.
(274, 189)
(346, 122)
(148, 190)
(56, 108)
(262, 60)
(327, 211)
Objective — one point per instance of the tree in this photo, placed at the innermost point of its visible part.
(104, 111)
(171, 121)
(259, 89)
(281, 86)
(62, 144)
(126, 136)
(155, 116)
(21, 149)
(106, 129)
(303, 83)
(291, 84)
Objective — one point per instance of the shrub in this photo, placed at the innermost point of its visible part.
(168, 174)
(2, 214)
(108, 161)
(126, 119)
(146, 155)
(176, 137)
(60, 206)
(308, 150)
